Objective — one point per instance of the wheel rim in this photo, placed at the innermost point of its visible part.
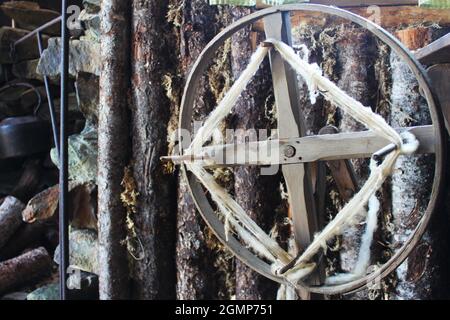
(205, 207)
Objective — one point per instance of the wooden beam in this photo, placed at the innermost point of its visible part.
(365, 3)
(354, 3)
(390, 16)
(10, 218)
(437, 52)
(24, 269)
(440, 78)
(113, 125)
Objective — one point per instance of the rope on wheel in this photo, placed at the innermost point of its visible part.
(237, 220)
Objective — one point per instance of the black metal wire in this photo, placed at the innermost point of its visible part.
(63, 159)
(51, 106)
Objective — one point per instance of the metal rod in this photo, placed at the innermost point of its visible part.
(35, 31)
(380, 154)
(63, 158)
(51, 106)
(184, 158)
(290, 264)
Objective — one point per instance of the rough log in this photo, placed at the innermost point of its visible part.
(353, 3)
(113, 141)
(421, 276)
(154, 218)
(10, 218)
(194, 259)
(253, 191)
(390, 17)
(23, 269)
(28, 236)
(355, 51)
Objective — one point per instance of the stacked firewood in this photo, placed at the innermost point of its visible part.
(28, 180)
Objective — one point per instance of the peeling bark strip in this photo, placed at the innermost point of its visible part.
(253, 192)
(113, 141)
(10, 218)
(196, 278)
(154, 275)
(23, 269)
(420, 276)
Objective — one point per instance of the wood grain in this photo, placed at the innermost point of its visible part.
(437, 52)
(440, 77)
(308, 149)
(390, 17)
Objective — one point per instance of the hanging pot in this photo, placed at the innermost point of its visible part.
(25, 135)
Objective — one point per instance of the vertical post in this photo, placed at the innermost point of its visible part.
(63, 157)
(114, 149)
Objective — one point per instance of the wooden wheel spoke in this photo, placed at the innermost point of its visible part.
(291, 123)
(339, 146)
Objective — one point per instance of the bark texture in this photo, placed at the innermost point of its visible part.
(314, 114)
(154, 274)
(254, 192)
(196, 274)
(23, 269)
(27, 236)
(10, 218)
(421, 276)
(355, 51)
(113, 141)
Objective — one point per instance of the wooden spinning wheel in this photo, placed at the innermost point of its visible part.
(298, 151)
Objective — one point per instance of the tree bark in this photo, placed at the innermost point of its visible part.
(196, 277)
(154, 275)
(26, 268)
(10, 218)
(254, 192)
(27, 236)
(355, 51)
(113, 140)
(421, 275)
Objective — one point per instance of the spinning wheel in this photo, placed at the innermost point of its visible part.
(294, 152)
